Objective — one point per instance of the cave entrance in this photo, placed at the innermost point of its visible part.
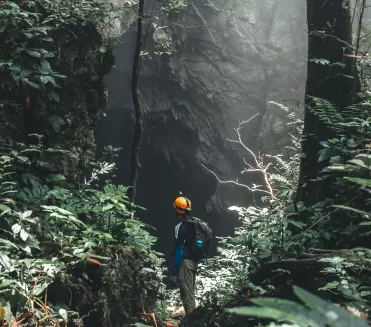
(160, 179)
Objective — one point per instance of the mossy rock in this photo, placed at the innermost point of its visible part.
(110, 295)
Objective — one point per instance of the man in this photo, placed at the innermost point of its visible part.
(185, 262)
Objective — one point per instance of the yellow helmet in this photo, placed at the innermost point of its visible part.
(182, 205)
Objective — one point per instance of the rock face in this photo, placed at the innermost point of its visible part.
(229, 58)
(70, 122)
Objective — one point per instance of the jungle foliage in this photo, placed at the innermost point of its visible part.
(50, 223)
(323, 247)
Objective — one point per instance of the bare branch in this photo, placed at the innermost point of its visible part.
(258, 165)
(235, 182)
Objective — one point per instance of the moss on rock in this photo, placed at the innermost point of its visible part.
(110, 295)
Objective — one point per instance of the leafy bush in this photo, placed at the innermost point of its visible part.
(263, 231)
(49, 225)
(266, 232)
(29, 48)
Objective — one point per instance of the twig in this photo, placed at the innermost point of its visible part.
(323, 35)
(235, 182)
(258, 162)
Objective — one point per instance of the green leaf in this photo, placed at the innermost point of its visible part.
(77, 251)
(4, 209)
(55, 96)
(23, 235)
(359, 181)
(40, 288)
(63, 313)
(5, 261)
(34, 85)
(45, 65)
(16, 69)
(6, 283)
(90, 245)
(335, 316)
(26, 214)
(25, 73)
(8, 243)
(57, 122)
(24, 159)
(300, 312)
(33, 53)
(47, 39)
(358, 162)
(325, 154)
(64, 212)
(272, 313)
(26, 248)
(48, 79)
(55, 178)
(365, 223)
(329, 286)
(46, 54)
(298, 224)
(364, 213)
(107, 207)
(16, 228)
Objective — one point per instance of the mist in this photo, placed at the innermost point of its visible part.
(228, 60)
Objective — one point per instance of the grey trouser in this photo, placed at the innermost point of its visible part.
(187, 284)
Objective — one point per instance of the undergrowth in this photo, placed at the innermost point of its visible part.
(49, 225)
(275, 230)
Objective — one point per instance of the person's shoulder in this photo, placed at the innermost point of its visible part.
(192, 220)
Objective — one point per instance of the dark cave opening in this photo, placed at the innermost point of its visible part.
(160, 179)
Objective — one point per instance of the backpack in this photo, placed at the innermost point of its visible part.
(202, 238)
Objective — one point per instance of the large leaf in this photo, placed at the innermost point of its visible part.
(359, 181)
(274, 313)
(298, 224)
(319, 313)
(8, 243)
(33, 53)
(301, 313)
(364, 213)
(335, 316)
(363, 160)
(6, 283)
(40, 288)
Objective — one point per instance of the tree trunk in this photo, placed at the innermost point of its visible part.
(138, 130)
(329, 37)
